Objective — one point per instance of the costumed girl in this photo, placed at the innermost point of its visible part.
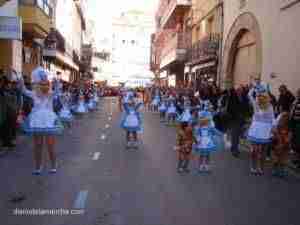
(186, 114)
(155, 101)
(81, 106)
(281, 145)
(96, 96)
(171, 111)
(162, 110)
(65, 114)
(194, 117)
(91, 105)
(259, 133)
(184, 143)
(42, 123)
(131, 121)
(208, 139)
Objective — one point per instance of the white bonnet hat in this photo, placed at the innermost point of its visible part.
(38, 75)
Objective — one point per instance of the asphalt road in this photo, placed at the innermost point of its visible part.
(109, 185)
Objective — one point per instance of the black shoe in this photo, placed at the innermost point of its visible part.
(180, 170)
(9, 145)
(186, 170)
(2, 151)
(236, 154)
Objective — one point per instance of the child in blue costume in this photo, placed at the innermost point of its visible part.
(186, 114)
(91, 103)
(131, 122)
(42, 123)
(171, 110)
(208, 139)
(65, 114)
(81, 106)
(155, 102)
(162, 110)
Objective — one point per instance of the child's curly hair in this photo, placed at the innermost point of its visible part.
(283, 122)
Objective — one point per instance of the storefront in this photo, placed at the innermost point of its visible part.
(172, 80)
(11, 43)
(163, 79)
(202, 73)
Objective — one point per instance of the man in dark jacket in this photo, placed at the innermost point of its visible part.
(286, 99)
(237, 109)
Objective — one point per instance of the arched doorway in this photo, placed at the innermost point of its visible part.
(244, 63)
(242, 52)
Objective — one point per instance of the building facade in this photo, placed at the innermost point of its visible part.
(24, 52)
(185, 48)
(63, 46)
(130, 40)
(170, 42)
(10, 36)
(36, 23)
(261, 39)
(204, 26)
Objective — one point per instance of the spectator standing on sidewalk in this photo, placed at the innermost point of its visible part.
(12, 100)
(3, 106)
(295, 128)
(286, 99)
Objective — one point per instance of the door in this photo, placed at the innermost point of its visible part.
(244, 66)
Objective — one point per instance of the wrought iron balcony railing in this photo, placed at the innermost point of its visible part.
(205, 48)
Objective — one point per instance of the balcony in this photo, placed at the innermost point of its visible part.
(174, 50)
(204, 50)
(36, 16)
(175, 7)
(55, 51)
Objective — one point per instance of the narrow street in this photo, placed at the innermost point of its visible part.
(115, 186)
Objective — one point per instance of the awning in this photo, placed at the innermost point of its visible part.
(61, 57)
(204, 65)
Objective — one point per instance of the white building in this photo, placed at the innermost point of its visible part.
(130, 48)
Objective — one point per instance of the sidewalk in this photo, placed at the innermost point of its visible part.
(19, 142)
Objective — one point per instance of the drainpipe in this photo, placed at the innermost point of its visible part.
(220, 58)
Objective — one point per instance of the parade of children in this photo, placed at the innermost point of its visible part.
(207, 120)
(203, 121)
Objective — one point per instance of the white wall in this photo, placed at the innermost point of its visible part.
(280, 30)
